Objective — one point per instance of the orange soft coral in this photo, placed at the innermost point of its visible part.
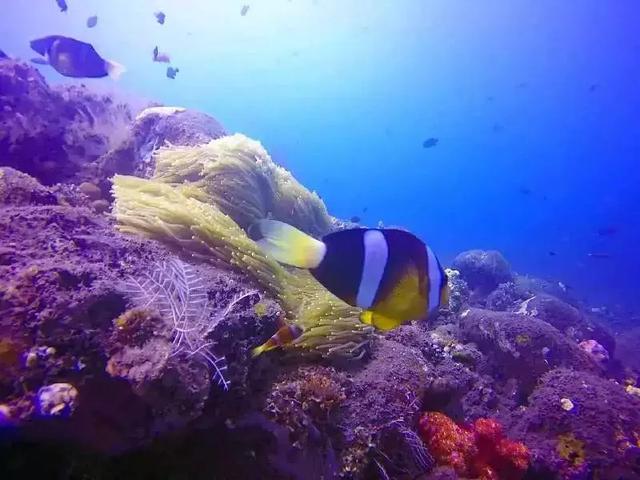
(479, 451)
(449, 443)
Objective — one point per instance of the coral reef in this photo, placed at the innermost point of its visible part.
(627, 348)
(482, 270)
(202, 231)
(504, 297)
(598, 438)
(237, 175)
(153, 128)
(568, 319)
(305, 403)
(55, 134)
(458, 290)
(17, 188)
(479, 451)
(64, 319)
(383, 398)
(520, 347)
(126, 333)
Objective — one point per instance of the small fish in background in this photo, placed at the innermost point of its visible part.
(593, 87)
(171, 72)
(430, 142)
(355, 219)
(76, 59)
(607, 231)
(365, 209)
(3, 55)
(391, 274)
(39, 61)
(525, 191)
(601, 255)
(62, 4)
(92, 21)
(497, 128)
(160, 17)
(161, 57)
(552, 253)
(285, 335)
(522, 85)
(563, 286)
(245, 9)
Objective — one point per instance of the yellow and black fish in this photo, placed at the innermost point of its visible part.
(391, 274)
(285, 335)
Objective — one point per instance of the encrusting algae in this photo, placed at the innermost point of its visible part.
(186, 206)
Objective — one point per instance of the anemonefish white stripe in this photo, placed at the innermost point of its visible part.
(435, 277)
(376, 253)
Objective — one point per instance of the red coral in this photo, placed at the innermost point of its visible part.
(479, 451)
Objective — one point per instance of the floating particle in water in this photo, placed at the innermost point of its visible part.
(92, 21)
(245, 9)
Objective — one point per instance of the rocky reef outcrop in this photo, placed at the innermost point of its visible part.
(483, 270)
(55, 134)
(153, 128)
(129, 306)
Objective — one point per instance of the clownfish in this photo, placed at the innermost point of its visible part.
(284, 336)
(391, 274)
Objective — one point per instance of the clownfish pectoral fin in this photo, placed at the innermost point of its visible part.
(289, 245)
(379, 321)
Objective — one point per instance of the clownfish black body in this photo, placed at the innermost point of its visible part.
(391, 274)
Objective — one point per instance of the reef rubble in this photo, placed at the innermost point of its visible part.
(131, 296)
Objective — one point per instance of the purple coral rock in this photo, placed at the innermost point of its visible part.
(627, 348)
(57, 400)
(54, 134)
(521, 347)
(568, 319)
(153, 128)
(602, 427)
(483, 270)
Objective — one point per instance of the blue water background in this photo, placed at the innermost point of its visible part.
(536, 105)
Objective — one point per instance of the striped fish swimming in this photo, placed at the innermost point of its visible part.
(391, 274)
(286, 335)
